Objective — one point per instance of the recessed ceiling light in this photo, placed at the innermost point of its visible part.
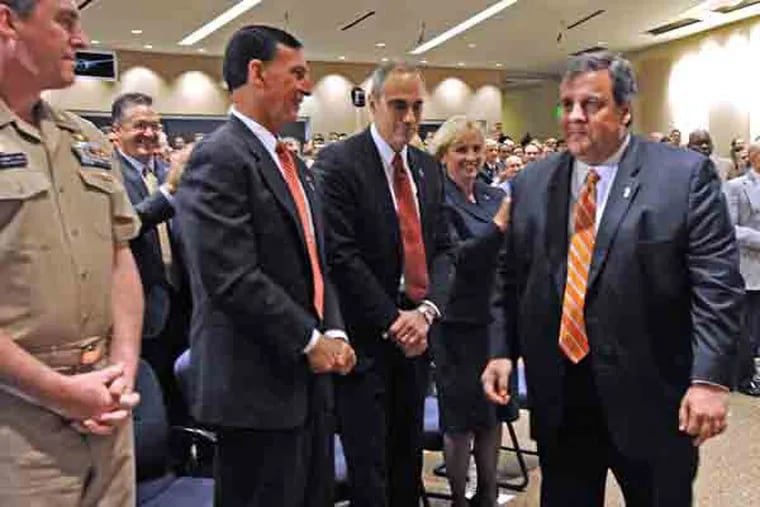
(341, 58)
(201, 50)
(500, 65)
(148, 46)
(380, 45)
(384, 59)
(460, 64)
(136, 32)
(472, 45)
(601, 44)
(218, 22)
(463, 26)
(94, 42)
(423, 62)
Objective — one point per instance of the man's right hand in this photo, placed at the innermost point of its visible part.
(495, 380)
(87, 395)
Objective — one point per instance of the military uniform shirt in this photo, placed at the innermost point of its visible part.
(62, 209)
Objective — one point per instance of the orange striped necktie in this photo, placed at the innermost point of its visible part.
(299, 196)
(573, 339)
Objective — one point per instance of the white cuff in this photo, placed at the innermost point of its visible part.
(164, 189)
(429, 303)
(337, 333)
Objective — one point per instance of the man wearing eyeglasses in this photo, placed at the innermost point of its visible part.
(151, 184)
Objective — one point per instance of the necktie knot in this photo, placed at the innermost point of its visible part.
(398, 166)
(592, 178)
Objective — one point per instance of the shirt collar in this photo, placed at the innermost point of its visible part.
(138, 166)
(386, 152)
(265, 136)
(609, 165)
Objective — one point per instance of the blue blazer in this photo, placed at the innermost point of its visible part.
(146, 247)
(478, 241)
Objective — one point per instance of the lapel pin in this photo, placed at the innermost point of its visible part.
(627, 192)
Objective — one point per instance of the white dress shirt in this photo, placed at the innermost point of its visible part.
(386, 156)
(607, 171)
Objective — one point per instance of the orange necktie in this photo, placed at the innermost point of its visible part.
(297, 192)
(573, 339)
(415, 265)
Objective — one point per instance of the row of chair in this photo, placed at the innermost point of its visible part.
(174, 464)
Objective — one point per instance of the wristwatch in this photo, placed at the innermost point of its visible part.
(427, 312)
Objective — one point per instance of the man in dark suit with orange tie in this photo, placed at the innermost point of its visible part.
(620, 289)
(388, 246)
(266, 324)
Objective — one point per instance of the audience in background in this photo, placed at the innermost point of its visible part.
(512, 167)
(701, 142)
(491, 165)
(532, 153)
(675, 137)
(743, 197)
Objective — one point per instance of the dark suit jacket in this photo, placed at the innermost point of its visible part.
(664, 291)
(146, 247)
(478, 239)
(364, 242)
(251, 280)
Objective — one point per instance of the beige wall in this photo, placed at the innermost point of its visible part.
(192, 85)
(708, 80)
(531, 110)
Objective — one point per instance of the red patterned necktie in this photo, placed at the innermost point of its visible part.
(415, 265)
(573, 339)
(297, 192)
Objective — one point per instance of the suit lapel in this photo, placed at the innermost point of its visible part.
(378, 182)
(621, 195)
(271, 174)
(418, 174)
(479, 210)
(132, 176)
(557, 219)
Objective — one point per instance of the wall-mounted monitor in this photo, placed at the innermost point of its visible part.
(96, 65)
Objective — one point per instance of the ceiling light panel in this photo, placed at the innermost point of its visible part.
(215, 24)
(463, 26)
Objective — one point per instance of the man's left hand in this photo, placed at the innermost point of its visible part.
(703, 412)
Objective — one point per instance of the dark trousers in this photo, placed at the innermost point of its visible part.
(161, 352)
(574, 467)
(380, 414)
(283, 468)
(750, 338)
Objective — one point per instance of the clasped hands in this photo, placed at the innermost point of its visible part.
(409, 331)
(97, 402)
(702, 414)
(331, 355)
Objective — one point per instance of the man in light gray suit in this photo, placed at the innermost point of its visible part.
(743, 196)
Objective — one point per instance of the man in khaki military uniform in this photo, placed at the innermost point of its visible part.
(70, 295)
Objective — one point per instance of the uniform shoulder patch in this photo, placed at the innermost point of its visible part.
(91, 154)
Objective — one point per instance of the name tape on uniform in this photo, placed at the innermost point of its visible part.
(13, 160)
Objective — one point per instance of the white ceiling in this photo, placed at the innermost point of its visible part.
(522, 38)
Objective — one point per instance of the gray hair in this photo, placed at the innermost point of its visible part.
(23, 8)
(624, 85)
(381, 73)
(754, 147)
